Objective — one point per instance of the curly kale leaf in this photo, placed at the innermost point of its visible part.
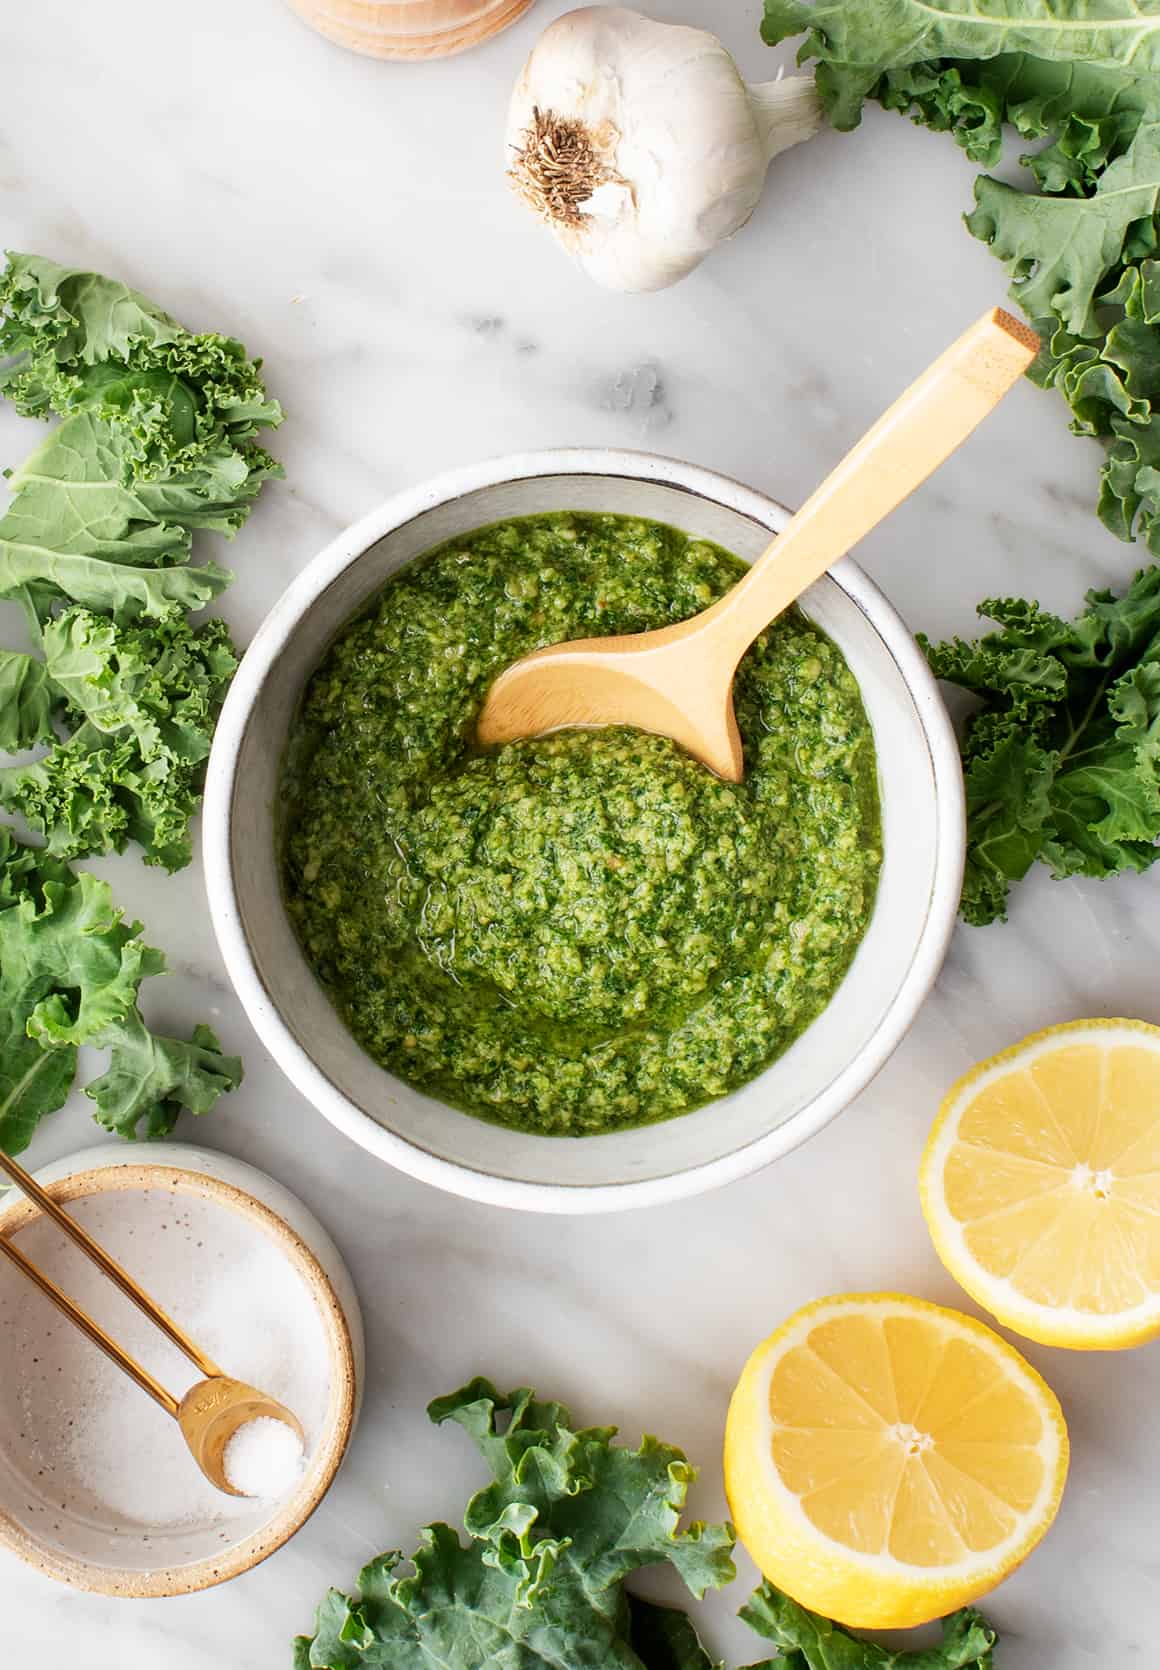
(1061, 756)
(157, 441)
(75, 524)
(150, 1081)
(185, 408)
(143, 699)
(75, 532)
(1112, 385)
(70, 974)
(1061, 249)
(806, 1641)
(972, 99)
(27, 700)
(40, 579)
(1082, 247)
(540, 1583)
(857, 42)
(160, 681)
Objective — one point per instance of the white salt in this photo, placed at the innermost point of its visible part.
(264, 1459)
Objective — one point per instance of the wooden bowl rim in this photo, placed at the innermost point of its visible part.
(355, 25)
(338, 1423)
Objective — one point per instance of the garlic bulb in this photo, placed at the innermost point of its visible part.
(641, 146)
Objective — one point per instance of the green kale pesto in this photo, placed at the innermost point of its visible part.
(588, 931)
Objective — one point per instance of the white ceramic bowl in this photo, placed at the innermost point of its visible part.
(923, 825)
(74, 1501)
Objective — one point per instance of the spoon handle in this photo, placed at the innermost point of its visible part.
(924, 426)
(90, 1328)
(119, 1277)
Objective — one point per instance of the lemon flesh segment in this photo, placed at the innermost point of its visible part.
(887, 1461)
(1040, 1184)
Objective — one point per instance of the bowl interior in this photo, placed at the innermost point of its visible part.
(96, 1485)
(298, 1021)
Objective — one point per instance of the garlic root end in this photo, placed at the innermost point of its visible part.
(557, 167)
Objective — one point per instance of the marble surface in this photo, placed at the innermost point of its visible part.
(348, 221)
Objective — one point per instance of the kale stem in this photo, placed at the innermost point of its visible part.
(1077, 731)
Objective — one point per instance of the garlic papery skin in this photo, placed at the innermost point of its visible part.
(640, 144)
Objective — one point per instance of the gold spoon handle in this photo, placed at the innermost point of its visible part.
(920, 430)
(92, 1329)
(119, 1277)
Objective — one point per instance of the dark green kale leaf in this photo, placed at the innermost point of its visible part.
(1062, 754)
(142, 700)
(80, 526)
(857, 42)
(1061, 249)
(156, 442)
(540, 1584)
(39, 579)
(1113, 387)
(1082, 248)
(27, 700)
(809, 1642)
(568, 1517)
(70, 974)
(184, 408)
(151, 1081)
(972, 99)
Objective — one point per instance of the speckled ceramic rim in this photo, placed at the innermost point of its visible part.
(337, 1428)
(299, 1066)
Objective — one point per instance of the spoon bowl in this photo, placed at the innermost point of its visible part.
(640, 679)
(213, 1410)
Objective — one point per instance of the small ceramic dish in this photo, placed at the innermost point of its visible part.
(96, 1487)
(921, 788)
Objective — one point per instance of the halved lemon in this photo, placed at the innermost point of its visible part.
(887, 1460)
(1041, 1184)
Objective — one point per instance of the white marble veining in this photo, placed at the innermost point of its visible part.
(348, 221)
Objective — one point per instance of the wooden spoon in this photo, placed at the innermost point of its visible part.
(678, 681)
(212, 1409)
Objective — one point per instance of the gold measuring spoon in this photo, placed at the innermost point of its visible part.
(214, 1408)
(678, 681)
